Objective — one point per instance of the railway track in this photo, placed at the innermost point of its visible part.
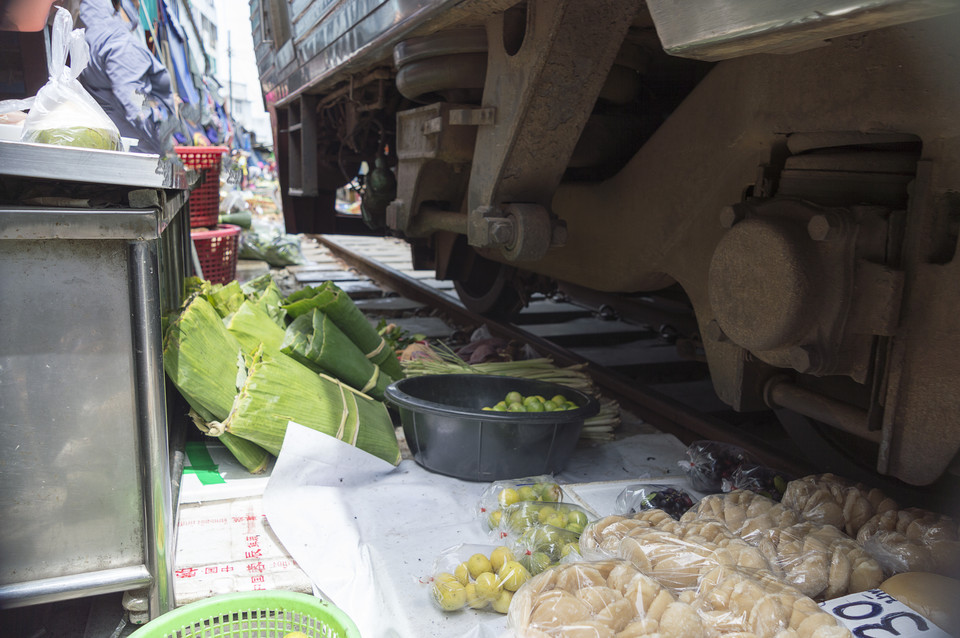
(650, 370)
(647, 362)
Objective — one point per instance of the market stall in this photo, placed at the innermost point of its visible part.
(93, 255)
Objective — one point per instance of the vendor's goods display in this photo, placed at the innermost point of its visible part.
(329, 299)
(504, 493)
(449, 433)
(736, 564)
(901, 540)
(314, 340)
(613, 598)
(528, 515)
(225, 352)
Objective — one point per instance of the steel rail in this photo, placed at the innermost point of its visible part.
(657, 409)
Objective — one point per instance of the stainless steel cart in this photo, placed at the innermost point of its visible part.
(93, 254)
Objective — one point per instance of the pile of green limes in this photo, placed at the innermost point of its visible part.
(516, 402)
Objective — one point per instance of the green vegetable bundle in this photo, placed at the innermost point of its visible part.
(279, 390)
(224, 355)
(332, 301)
(315, 341)
(204, 361)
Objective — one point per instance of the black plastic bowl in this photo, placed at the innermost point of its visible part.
(448, 432)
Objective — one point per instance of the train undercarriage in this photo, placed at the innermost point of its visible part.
(803, 200)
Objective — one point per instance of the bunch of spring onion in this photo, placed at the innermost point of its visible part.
(442, 360)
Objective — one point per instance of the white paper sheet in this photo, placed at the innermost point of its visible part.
(368, 534)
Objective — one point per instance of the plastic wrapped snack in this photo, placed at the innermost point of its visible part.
(709, 462)
(62, 112)
(819, 560)
(831, 500)
(642, 496)
(676, 554)
(733, 601)
(757, 478)
(912, 540)
(602, 599)
(476, 577)
(501, 494)
(600, 537)
(742, 511)
(614, 599)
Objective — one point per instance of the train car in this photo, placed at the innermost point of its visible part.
(790, 171)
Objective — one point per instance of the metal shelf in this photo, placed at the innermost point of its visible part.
(68, 163)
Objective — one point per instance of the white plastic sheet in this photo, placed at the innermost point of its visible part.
(367, 533)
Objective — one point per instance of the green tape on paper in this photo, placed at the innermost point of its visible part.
(201, 464)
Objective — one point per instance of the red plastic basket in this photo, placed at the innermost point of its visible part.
(217, 251)
(204, 202)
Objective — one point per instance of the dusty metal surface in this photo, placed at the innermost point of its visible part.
(721, 29)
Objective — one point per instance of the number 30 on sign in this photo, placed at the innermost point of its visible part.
(877, 614)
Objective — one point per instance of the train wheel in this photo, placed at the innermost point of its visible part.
(490, 288)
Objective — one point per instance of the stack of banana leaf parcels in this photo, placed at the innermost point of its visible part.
(249, 360)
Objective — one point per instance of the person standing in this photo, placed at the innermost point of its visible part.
(126, 78)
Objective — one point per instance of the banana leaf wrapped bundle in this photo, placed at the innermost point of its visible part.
(255, 287)
(331, 300)
(252, 326)
(315, 341)
(225, 298)
(204, 362)
(278, 390)
(263, 290)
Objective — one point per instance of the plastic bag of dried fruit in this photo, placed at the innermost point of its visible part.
(709, 462)
(757, 478)
(646, 496)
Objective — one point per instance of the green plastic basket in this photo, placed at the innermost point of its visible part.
(254, 614)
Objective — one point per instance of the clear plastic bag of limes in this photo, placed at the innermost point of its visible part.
(477, 577)
(501, 494)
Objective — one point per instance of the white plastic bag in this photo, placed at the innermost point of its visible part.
(63, 112)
